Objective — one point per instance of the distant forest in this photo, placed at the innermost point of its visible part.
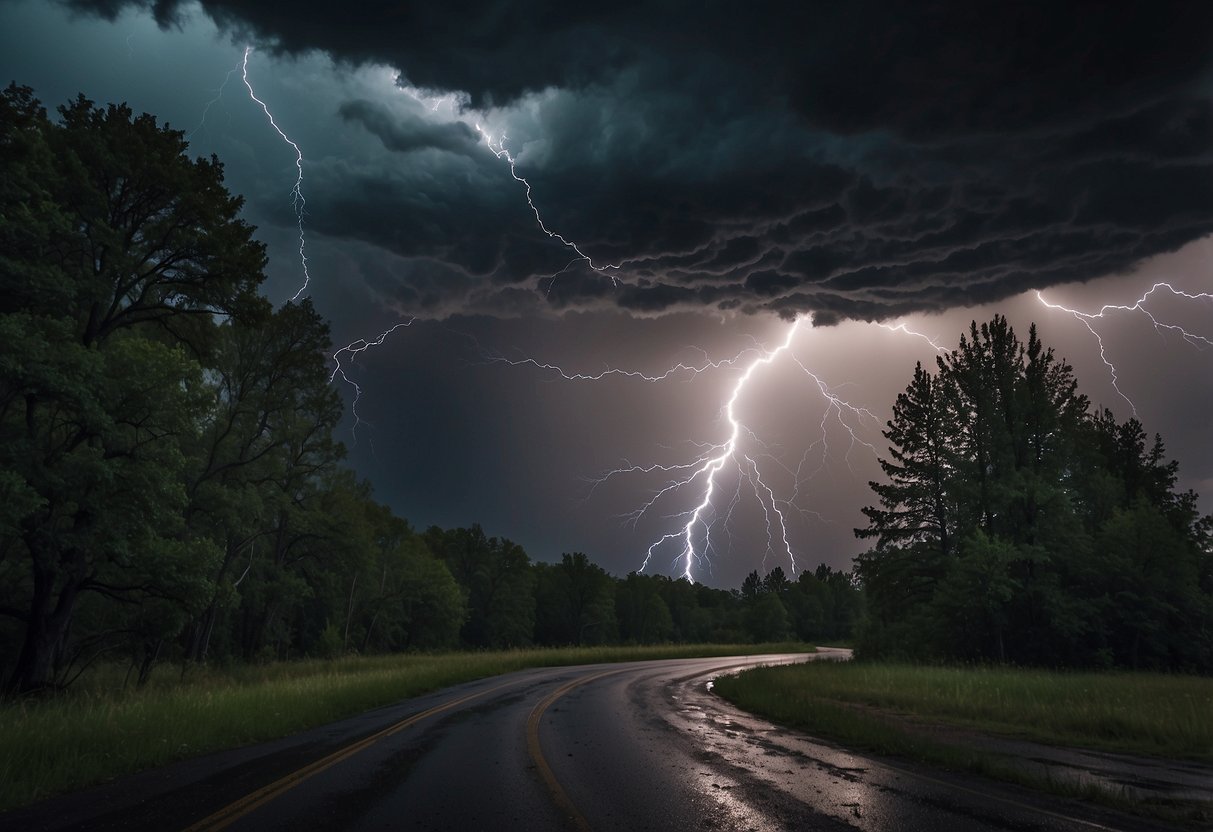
(170, 485)
(1019, 525)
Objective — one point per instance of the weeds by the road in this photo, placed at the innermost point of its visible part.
(98, 730)
(1137, 713)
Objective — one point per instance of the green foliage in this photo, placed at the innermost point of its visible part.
(499, 583)
(643, 616)
(118, 252)
(170, 479)
(574, 602)
(1019, 526)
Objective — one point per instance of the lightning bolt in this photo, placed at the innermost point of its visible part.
(901, 327)
(300, 204)
(355, 348)
(680, 368)
(694, 535)
(1139, 305)
(352, 350)
(501, 152)
(218, 95)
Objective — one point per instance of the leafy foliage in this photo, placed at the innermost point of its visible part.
(1017, 525)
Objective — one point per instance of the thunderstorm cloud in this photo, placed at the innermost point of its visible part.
(854, 160)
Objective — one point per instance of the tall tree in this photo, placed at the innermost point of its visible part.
(574, 602)
(119, 250)
(495, 574)
(1062, 539)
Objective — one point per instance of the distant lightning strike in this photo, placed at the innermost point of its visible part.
(694, 537)
(499, 150)
(680, 368)
(218, 95)
(353, 349)
(1086, 318)
(906, 330)
(300, 204)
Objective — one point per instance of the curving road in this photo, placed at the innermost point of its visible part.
(636, 746)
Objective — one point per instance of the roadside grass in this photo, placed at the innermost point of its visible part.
(1149, 714)
(98, 730)
(883, 708)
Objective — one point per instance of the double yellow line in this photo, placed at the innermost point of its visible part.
(233, 812)
(559, 796)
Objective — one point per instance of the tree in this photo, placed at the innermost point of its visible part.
(416, 604)
(1018, 526)
(574, 602)
(270, 411)
(118, 253)
(496, 576)
(767, 619)
(644, 618)
(915, 504)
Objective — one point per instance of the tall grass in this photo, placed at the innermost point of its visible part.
(1140, 713)
(98, 730)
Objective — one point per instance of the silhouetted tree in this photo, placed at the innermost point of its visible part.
(1016, 525)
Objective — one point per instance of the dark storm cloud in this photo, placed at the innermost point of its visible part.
(404, 135)
(856, 160)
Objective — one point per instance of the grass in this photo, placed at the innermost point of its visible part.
(884, 708)
(97, 731)
(1137, 713)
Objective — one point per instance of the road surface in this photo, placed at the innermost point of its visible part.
(638, 746)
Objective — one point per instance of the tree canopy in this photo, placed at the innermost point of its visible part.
(172, 484)
(1019, 524)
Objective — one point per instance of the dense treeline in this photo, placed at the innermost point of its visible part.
(1019, 524)
(513, 602)
(170, 486)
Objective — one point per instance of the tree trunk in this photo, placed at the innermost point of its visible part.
(44, 633)
(349, 613)
(149, 661)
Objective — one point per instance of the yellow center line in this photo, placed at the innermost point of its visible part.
(231, 813)
(559, 796)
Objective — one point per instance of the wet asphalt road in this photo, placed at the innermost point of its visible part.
(640, 746)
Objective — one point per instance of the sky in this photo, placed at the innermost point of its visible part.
(544, 192)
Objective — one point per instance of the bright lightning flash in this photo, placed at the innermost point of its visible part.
(300, 204)
(1139, 305)
(694, 537)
